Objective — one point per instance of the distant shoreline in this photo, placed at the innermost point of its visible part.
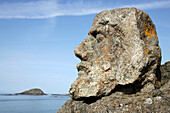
(56, 95)
(16, 94)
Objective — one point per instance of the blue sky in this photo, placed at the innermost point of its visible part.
(38, 38)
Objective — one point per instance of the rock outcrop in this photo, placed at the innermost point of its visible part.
(121, 49)
(32, 92)
(156, 101)
(120, 67)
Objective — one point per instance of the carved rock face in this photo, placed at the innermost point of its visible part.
(122, 48)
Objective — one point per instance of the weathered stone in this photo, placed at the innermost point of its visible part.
(165, 73)
(158, 98)
(133, 103)
(156, 101)
(121, 50)
(120, 69)
(148, 101)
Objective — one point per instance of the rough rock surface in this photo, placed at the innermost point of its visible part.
(32, 92)
(120, 69)
(121, 50)
(165, 73)
(157, 101)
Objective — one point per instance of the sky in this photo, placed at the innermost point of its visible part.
(38, 38)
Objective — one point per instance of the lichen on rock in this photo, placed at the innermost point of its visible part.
(156, 101)
(165, 73)
(120, 67)
(122, 48)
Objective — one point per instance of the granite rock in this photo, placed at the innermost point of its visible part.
(122, 50)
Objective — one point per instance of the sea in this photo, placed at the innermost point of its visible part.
(31, 104)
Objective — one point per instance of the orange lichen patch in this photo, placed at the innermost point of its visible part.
(148, 44)
(86, 82)
(159, 82)
(79, 81)
(154, 33)
(107, 57)
(148, 34)
(150, 31)
(146, 51)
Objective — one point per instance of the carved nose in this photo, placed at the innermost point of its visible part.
(78, 54)
(82, 55)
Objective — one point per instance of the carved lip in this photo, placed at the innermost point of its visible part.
(83, 68)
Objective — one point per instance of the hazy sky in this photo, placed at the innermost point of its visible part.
(38, 38)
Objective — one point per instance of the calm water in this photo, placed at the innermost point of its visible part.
(31, 104)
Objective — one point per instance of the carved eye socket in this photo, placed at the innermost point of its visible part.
(104, 22)
(94, 34)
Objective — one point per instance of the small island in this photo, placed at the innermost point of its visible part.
(34, 91)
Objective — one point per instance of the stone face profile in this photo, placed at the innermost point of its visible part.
(122, 49)
(120, 67)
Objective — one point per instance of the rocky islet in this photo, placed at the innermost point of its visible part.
(34, 91)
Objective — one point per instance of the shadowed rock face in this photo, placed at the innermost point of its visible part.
(121, 49)
(155, 102)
